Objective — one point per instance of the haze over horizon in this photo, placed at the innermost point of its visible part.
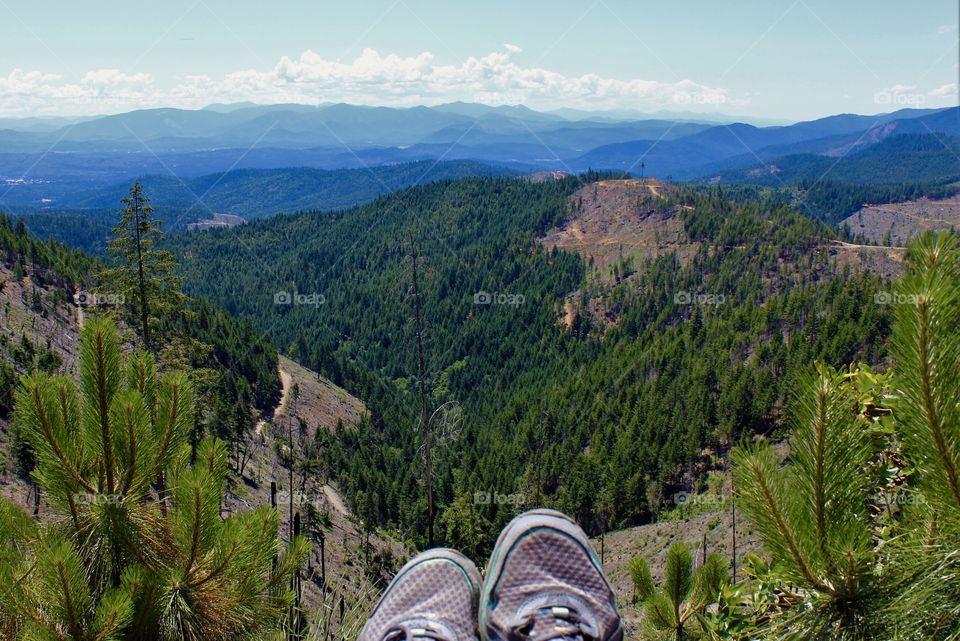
(788, 61)
(303, 303)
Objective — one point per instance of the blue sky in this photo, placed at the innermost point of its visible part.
(785, 59)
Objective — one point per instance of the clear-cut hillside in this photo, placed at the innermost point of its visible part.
(901, 221)
(615, 219)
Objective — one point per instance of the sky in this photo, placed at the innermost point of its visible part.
(780, 59)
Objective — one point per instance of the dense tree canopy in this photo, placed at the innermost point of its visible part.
(601, 419)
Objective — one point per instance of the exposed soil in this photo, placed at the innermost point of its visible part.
(46, 324)
(904, 220)
(889, 262)
(619, 219)
(319, 404)
(653, 541)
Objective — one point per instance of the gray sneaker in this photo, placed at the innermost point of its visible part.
(544, 582)
(433, 597)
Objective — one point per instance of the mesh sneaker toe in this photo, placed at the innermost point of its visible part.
(544, 582)
(433, 597)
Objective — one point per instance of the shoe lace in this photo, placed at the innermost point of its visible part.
(418, 631)
(552, 623)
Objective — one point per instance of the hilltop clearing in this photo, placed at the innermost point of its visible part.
(895, 223)
(617, 220)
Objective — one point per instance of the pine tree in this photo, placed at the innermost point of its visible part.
(859, 572)
(143, 279)
(926, 348)
(813, 515)
(116, 562)
(640, 577)
(465, 526)
(686, 592)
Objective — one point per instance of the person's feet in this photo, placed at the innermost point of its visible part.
(544, 582)
(433, 597)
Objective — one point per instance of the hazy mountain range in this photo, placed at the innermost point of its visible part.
(61, 163)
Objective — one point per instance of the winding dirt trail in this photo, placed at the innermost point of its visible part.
(841, 243)
(286, 383)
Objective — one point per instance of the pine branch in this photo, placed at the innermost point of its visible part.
(820, 445)
(131, 462)
(73, 619)
(753, 470)
(39, 414)
(195, 539)
(929, 403)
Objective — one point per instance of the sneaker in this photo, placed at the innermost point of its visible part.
(544, 582)
(433, 597)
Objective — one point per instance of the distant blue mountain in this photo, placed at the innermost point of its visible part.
(926, 148)
(743, 145)
(92, 153)
(900, 158)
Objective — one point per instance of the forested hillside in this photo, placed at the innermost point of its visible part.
(82, 217)
(831, 187)
(831, 201)
(234, 366)
(255, 193)
(228, 447)
(928, 157)
(603, 422)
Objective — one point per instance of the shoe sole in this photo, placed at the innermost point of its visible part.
(515, 530)
(465, 565)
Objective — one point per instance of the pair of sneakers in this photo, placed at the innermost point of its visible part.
(543, 583)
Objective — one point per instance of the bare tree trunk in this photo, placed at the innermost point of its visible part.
(245, 455)
(290, 485)
(144, 312)
(424, 413)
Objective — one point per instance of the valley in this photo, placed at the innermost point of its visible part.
(293, 296)
(643, 304)
(41, 323)
(678, 301)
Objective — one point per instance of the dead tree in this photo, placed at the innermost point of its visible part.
(424, 412)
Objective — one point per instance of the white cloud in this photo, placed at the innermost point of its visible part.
(372, 78)
(946, 28)
(943, 91)
(901, 88)
(97, 91)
